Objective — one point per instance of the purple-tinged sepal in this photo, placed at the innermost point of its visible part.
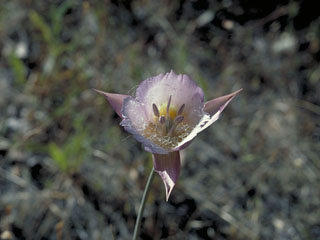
(116, 100)
(218, 104)
(168, 167)
(211, 113)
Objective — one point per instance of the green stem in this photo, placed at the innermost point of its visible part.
(142, 204)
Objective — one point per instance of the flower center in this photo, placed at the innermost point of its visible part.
(168, 128)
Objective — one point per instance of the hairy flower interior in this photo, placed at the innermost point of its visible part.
(168, 127)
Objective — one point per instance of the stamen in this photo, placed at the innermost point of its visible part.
(178, 119)
(163, 127)
(181, 109)
(155, 110)
(162, 119)
(176, 122)
(168, 105)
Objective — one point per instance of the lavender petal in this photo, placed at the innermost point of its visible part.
(158, 90)
(134, 121)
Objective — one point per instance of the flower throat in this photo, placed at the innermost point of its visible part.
(168, 127)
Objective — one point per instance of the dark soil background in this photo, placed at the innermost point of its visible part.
(69, 171)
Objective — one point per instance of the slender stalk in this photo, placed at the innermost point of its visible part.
(142, 204)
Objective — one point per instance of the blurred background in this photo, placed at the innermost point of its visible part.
(69, 171)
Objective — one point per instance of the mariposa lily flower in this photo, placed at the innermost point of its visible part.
(166, 114)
